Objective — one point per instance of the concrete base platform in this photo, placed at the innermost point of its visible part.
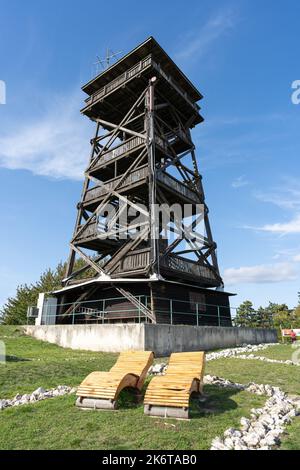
(95, 404)
(161, 339)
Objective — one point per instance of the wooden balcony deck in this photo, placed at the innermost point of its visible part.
(147, 68)
(124, 152)
(134, 262)
(178, 191)
(137, 262)
(184, 268)
(119, 81)
(96, 194)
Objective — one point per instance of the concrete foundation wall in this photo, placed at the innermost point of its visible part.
(108, 338)
(162, 339)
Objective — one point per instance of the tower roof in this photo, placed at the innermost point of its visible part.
(149, 46)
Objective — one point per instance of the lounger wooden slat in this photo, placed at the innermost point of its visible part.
(100, 390)
(169, 395)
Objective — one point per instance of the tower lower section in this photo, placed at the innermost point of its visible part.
(170, 302)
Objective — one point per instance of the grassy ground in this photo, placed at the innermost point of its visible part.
(58, 424)
(291, 440)
(32, 363)
(243, 371)
(284, 376)
(281, 352)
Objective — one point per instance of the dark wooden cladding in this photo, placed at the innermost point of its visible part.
(175, 303)
(143, 157)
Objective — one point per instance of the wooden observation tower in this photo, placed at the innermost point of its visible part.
(142, 165)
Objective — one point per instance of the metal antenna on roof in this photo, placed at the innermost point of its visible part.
(104, 63)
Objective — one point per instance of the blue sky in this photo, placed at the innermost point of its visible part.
(242, 55)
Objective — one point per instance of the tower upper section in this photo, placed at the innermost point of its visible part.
(112, 91)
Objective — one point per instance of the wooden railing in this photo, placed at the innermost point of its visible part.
(177, 186)
(90, 231)
(128, 75)
(135, 261)
(138, 175)
(176, 263)
(120, 150)
(131, 73)
(99, 191)
(125, 148)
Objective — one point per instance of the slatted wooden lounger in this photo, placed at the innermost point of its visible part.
(169, 395)
(100, 390)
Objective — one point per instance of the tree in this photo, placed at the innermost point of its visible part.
(14, 312)
(281, 315)
(245, 314)
(273, 316)
(296, 317)
(264, 318)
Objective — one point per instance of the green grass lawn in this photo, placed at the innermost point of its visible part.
(32, 363)
(291, 440)
(282, 352)
(58, 424)
(287, 377)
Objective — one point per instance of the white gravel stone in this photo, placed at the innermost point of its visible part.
(39, 391)
(229, 432)
(245, 423)
(265, 426)
(229, 444)
(157, 369)
(242, 350)
(38, 395)
(253, 357)
(3, 404)
(252, 439)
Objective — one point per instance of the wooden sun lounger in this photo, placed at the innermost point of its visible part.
(169, 395)
(100, 390)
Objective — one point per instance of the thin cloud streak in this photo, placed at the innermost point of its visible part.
(260, 274)
(199, 43)
(285, 228)
(55, 146)
(239, 182)
(287, 198)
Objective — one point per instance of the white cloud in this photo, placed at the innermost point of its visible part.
(285, 228)
(239, 182)
(260, 274)
(55, 145)
(198, 44)
(283, 197)
(297, 258)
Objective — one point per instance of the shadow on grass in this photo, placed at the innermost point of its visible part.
(215, 401)
(16, 359)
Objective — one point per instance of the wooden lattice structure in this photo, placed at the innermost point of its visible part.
(142, 156)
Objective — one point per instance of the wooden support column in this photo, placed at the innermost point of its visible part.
(154, 268)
